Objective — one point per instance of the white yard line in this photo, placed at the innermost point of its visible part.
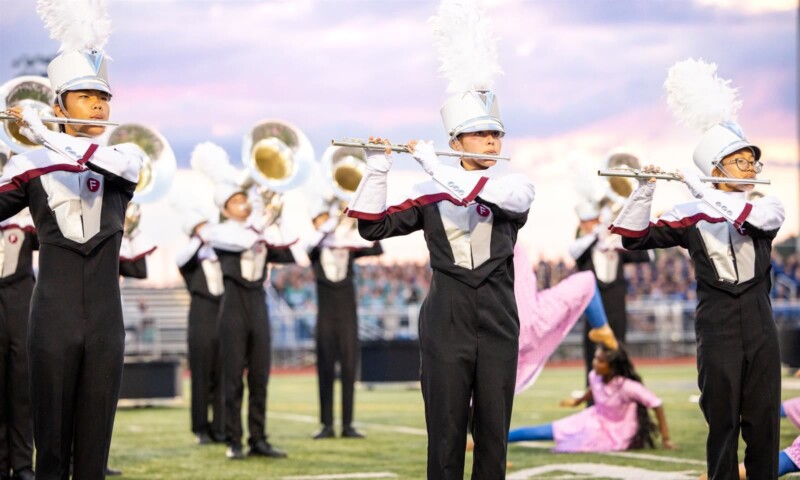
(344, 476)
(373, 426)
(657, 458)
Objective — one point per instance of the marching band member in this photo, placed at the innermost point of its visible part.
(729, 240)
(77, 192)
(17, 242)
(332, 252)
(202, 273)
(597, 251)
(469, 327)
(244, 249)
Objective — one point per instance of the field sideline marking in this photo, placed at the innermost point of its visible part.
(344, 476)
(422, 432)
(376, 426)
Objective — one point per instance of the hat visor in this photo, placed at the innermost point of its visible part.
(736, 146)
(480, 125)
(87, 85)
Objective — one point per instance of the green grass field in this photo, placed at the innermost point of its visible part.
(156, 443)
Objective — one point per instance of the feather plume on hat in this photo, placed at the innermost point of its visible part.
(699, 98)
(77, 24)
(213, 161)
(466, 45)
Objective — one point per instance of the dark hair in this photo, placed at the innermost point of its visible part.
(620, 365)
(62, 127)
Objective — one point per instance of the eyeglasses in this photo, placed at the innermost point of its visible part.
(486, 133)
(745, 165)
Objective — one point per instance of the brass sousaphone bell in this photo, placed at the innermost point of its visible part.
(277, 155)
(25, 91)
(159, 166)
(344, 167)
(620, 188)
(5, 155)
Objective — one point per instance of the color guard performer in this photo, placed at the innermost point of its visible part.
(333, 251)
(202, 273)
(77, 192)
(17, 242)
(729, 240)
(469, 327)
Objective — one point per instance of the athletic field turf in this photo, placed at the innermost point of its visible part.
(156, 443)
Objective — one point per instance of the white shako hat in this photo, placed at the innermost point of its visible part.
(224, 191)
(190, 219)
(467, 50)
(212, 160)
(78, 70)
(83, 27)
(587, 210)
(471, 112)
(700, 99)
(718, 142)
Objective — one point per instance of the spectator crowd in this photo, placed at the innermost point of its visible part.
(382, 285)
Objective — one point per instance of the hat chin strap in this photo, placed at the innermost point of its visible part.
(454, 139)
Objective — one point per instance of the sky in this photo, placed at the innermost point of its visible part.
(582, 78)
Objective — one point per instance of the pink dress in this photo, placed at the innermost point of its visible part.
(545, 317)
(794, 451)
(611, 423)
(792, 409)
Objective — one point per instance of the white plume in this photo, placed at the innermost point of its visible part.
(78, 24)
(212, 160)
(189, 198)
(698, 97)
(466, 45)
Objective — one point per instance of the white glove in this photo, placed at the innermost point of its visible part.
(33, 127)
(426, 156)
(692, 181)
(378, 161)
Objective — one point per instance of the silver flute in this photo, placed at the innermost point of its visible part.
(64, 120)
(404, 149)
(675, 177)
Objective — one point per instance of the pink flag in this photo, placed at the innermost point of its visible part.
(545, 317)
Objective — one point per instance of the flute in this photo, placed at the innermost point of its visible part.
(638, 174)
(64, 120)
(404, 149)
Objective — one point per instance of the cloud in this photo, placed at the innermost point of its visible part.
(752, 6)
(578, 83)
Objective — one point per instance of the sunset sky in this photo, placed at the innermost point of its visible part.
(582, 78)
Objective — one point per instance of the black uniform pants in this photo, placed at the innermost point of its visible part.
(245, 335)
(469, 340)
(205, 366)
(739, 377)
(76, 341)
(337, 341)
(16, 422)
